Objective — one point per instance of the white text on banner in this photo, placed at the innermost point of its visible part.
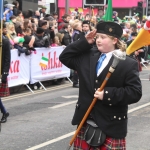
(19, 72)
(53, 70)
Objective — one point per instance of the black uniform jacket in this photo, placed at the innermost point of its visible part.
(6, 56)
(123, 88)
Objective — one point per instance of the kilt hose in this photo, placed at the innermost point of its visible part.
(109, 144)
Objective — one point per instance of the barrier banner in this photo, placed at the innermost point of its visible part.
(54, 68)
(19, 72)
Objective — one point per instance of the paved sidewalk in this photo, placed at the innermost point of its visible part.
(23, 88)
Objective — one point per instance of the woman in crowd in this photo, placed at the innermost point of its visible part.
(77, 29)
(93, 22)
(87, 17)
(19, 29)
(26, 23)
(11, 33)
(19, 17)
(56, 42)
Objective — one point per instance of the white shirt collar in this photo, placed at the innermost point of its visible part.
(105, 62)
(108, 55)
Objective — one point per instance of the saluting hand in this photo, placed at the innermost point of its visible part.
(90, 37)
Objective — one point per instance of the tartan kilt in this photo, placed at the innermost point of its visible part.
(109, 144)
(4, 89)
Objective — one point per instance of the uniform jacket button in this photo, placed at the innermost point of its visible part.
(106, 92)
(77, 106)
(119, 118)
(110, 104)
(109, 99)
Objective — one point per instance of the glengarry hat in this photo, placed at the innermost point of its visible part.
(109, 28)
(134, 34)
(86, 22)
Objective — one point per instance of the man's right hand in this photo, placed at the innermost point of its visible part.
(90, 37)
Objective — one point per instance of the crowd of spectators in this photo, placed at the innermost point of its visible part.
(30, 29)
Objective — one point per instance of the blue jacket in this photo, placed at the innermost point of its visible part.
(8, 15)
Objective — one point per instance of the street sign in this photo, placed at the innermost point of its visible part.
(148, 8)
(94, 2)
(89, 3)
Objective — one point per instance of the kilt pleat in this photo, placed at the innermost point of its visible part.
(109, 144)
(4, 90)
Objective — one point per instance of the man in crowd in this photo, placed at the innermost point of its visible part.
(37, 15)
(138, 54)
(40, 40)
(43, 11)
(65, 19)
(55, 15)
(44, 26)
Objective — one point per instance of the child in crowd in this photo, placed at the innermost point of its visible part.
(9, 8)
(19, 46)
(56, 42)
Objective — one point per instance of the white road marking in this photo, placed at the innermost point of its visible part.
(72, 133)
(64, 104)
(36, 92)
(139, 107)
(71, 96)
(144, 79)
(51, 141)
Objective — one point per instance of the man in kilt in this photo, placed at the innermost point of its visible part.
(6, 57)
(122, 89)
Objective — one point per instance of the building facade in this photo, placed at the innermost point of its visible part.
(123, 7)
(51, 5)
